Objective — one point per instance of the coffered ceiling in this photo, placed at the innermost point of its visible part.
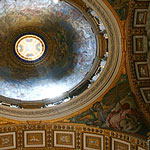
(107, 105)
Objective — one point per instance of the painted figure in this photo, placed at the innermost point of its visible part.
(116, 111)
(125, 118)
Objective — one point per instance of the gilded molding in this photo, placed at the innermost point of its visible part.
(76, 136)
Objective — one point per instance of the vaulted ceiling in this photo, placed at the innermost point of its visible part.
(90, 88)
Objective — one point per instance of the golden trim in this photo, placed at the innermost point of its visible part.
(4, 121)
(22, 55)
(122, 69)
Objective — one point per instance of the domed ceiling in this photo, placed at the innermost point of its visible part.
(54, 52)
(53, 66)
(85, 95)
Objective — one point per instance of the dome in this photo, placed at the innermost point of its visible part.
(74, 74)
(51, 49)
(54, 52)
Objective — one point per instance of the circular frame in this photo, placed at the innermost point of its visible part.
(21, 37)
(26, 47)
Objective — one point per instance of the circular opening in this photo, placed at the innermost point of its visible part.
(29, 47)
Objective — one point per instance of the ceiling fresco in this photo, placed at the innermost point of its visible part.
(117, 110)
(120, 7)
(118, 119)
(71, 49)
(67, 56)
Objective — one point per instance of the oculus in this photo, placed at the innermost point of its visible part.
(29, 47)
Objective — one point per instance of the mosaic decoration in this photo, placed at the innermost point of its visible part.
(71, 49)
(116, 110)
(142, 70)
(120, 145)
(140, 17)
(7, 140)
(146, 94)
(120, 7)
(64, 139)
(92, 142)
(140, 44)
(30, 47)
(34, 138)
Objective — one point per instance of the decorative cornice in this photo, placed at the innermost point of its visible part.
(46, 135)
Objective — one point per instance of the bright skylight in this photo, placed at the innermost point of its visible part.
(30, 47)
